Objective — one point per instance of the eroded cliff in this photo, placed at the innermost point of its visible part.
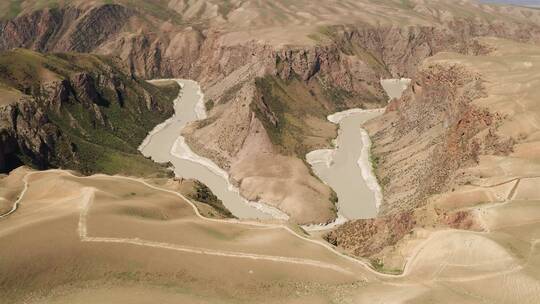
(76, 111)
(452, 148)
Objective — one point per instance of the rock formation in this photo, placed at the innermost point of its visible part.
(458, 133)
(73, 111)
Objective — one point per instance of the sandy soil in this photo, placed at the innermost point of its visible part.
(10, 188)
(105, 238)
(395, 87)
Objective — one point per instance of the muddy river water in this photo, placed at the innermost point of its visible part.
(165, 144)
(347, 168)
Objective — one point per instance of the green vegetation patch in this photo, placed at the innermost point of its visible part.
(103, 122)
(204, 195)
(378, 265)
(144, 213)
(209, 105)
(224, 8)
(286, 109)
(156, 8)
(13, 9)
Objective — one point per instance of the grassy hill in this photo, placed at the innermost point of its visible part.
(155, 8)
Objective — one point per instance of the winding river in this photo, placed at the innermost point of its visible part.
(347, 169)
(165, 144)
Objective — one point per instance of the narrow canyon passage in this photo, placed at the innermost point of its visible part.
(165, 144)
(348, 168)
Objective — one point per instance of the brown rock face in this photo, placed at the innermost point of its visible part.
(28, 131)
(66, 29)
(461, 220)
(437, 110)
(401, 50)
(82, 103)
(368, 237)
(422, 144)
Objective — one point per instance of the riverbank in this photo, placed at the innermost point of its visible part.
(164, 144)
(348, 168)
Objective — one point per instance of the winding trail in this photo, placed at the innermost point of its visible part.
(20, 197)
(88, 195)
(83, 233)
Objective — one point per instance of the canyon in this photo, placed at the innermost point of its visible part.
(79, 112)
(452, 132)
(348, 167)
(455, 156)
(257, 88)
(165, 145)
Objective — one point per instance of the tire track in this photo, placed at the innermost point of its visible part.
(20, 197)
(88, 197)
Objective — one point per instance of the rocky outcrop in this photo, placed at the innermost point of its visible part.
(437, 108)
(28, 131)
(64, 29)
(365, 238)
(206, 54)
(92, 106)
(351, 58)
(401, 50)
(421, 145)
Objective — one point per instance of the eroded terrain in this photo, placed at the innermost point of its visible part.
(456, 156)
(119, 234)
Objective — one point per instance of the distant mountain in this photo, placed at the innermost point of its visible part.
(515, 2)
